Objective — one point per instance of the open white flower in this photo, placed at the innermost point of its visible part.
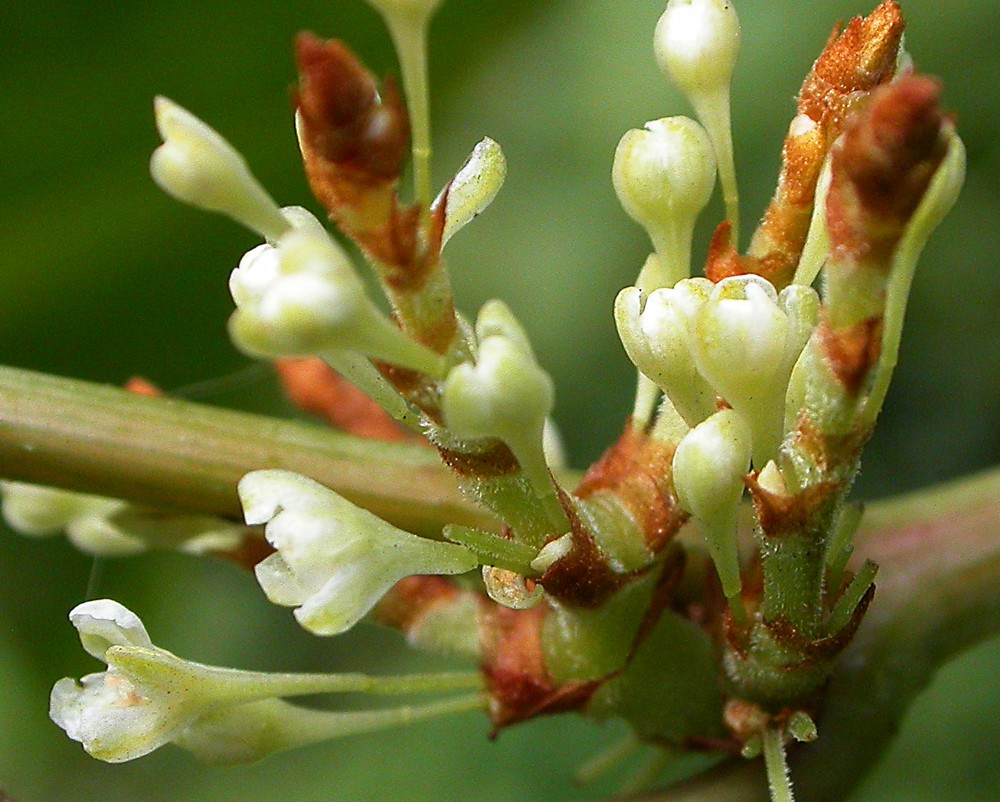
(146, 696)
(334, 560)
(302, 296)
(149, 697)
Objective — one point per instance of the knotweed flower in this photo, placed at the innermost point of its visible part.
(110, 527)
(334, 560)
(148, 697)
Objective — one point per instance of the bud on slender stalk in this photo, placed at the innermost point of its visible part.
(708, 469)
(302, 296)
(506, 395)
(664, 175)
(696, 44)
(746, 340)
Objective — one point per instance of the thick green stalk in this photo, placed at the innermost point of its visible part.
(179, 455)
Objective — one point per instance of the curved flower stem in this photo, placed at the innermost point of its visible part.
(777, 767)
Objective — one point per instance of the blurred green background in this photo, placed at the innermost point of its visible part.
(103, 277)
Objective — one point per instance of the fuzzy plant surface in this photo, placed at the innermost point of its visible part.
(709, 592)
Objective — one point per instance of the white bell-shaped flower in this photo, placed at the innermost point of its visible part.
(148, 697)
(745, 344)
(197, 166)
(145, 697)
(657, 336)
(334, 560)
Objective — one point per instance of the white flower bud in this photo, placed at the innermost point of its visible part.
(334, 560)
(739, 346)
(197, 166)
(110, 527)
(708, 470)
(663, 175)
(302, 296)
(506, 394)
(696, 44)
(473, 188)
(658, 339)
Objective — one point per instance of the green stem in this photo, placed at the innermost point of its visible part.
(178, 455)
(409, 35)
(777, 767)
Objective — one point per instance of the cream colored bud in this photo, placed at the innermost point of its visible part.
(708, 470)
(505, 394)
(745, 344)
(197, 166)
(696, 44)
(663, 175)
(302, 296)
(657, 338)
